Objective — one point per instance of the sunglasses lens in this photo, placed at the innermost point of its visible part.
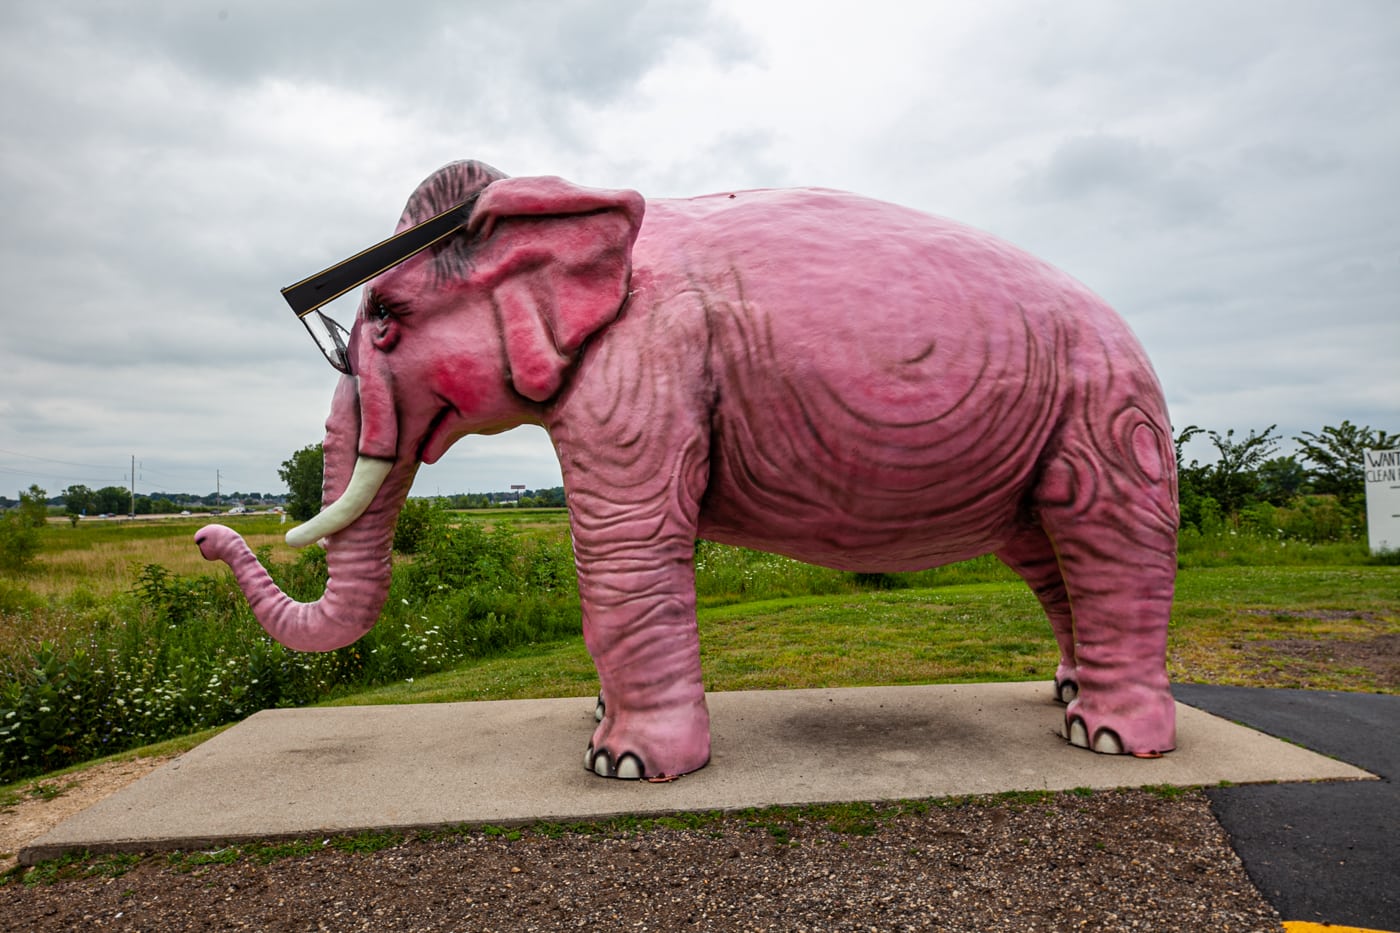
(331, 338)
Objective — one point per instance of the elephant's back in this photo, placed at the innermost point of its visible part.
(889, 380)
(878, 301)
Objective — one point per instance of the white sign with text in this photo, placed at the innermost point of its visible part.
(1383, 499)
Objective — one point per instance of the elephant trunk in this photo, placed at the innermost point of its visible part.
(357, 548)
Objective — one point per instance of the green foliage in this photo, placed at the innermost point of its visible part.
(112, 500)
(178, 654)
(552, 498)
(303, 472)
(19, 531)
(1317, 496)
(1232, 480)
(726, 575)
(418, 519)
(182, 653)
(1336, 458)
(78, 500)
(1281, 479)
(17, 599)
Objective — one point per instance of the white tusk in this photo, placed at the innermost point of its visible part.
(369, 475)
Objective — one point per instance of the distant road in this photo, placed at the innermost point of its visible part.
(64, 519)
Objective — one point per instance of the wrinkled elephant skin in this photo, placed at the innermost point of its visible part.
(806, 372)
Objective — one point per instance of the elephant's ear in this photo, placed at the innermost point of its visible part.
(557, 259)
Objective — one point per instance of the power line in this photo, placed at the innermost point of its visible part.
(90, 466)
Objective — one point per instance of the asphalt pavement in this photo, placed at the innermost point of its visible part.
(1321, 852)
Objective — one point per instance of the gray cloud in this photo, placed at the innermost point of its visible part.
(1142, 183)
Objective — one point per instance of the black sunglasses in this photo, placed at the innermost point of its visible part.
(309, 295)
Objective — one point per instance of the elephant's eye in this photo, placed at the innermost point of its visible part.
(384, 323)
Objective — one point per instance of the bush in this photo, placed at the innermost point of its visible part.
(417, 521)
(182, 653)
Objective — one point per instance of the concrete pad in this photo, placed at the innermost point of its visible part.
(287, 773)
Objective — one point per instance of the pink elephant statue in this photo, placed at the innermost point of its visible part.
(844, 381)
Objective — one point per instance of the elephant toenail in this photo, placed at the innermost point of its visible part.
(629, 767)
(1108, 743)
(1078, 734)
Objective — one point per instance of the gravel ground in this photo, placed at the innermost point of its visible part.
(1123, 860)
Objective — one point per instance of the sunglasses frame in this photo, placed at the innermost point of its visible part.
(308, 296)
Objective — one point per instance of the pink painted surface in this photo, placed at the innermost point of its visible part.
(808, 372)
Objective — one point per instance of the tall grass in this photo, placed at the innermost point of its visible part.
(85, 676)
(101, 558)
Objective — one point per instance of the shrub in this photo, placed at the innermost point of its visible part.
(19, 531)
(177, 654)
(418, 519)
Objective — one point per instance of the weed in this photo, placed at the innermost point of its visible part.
(511, 835)
(189, 861)
(1025, 798)
(368, 842)
(267, 853)
(50, 791)
(72, 865)
(91, 664)
(114, 865)
(1166, 791)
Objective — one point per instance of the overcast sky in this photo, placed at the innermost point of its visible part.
(1226, 174)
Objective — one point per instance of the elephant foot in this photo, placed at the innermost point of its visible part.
(1066, 680)
(653, 744)
(627, 768)
(1142, 723)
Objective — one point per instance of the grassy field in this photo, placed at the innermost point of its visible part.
(1320, 628)
(1293, 616)
(102, 557)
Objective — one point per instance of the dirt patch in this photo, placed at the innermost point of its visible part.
(44, 804)
(1311, 657)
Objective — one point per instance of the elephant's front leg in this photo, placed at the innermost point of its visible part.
(633, 511)
(639, 624)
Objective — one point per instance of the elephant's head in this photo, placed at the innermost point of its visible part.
(475, 334)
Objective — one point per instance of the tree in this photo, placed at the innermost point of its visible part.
(1336, 458)
(418, 519)
(33, 507)
(303, 473)
(1281, 479)
(19, 530)
(1232, 481)
(111, 500)
(78, 500)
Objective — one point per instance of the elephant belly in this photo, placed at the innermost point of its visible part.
(883, 508)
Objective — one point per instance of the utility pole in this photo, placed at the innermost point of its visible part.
(218, 487)
(132, 513)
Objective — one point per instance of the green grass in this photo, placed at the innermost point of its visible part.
(968, 633)
(765, 622)
(1247, 612)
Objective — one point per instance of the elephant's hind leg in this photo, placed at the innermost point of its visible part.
(1109, 507)
(1033, 557)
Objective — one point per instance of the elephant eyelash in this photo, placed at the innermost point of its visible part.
(379, 309)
